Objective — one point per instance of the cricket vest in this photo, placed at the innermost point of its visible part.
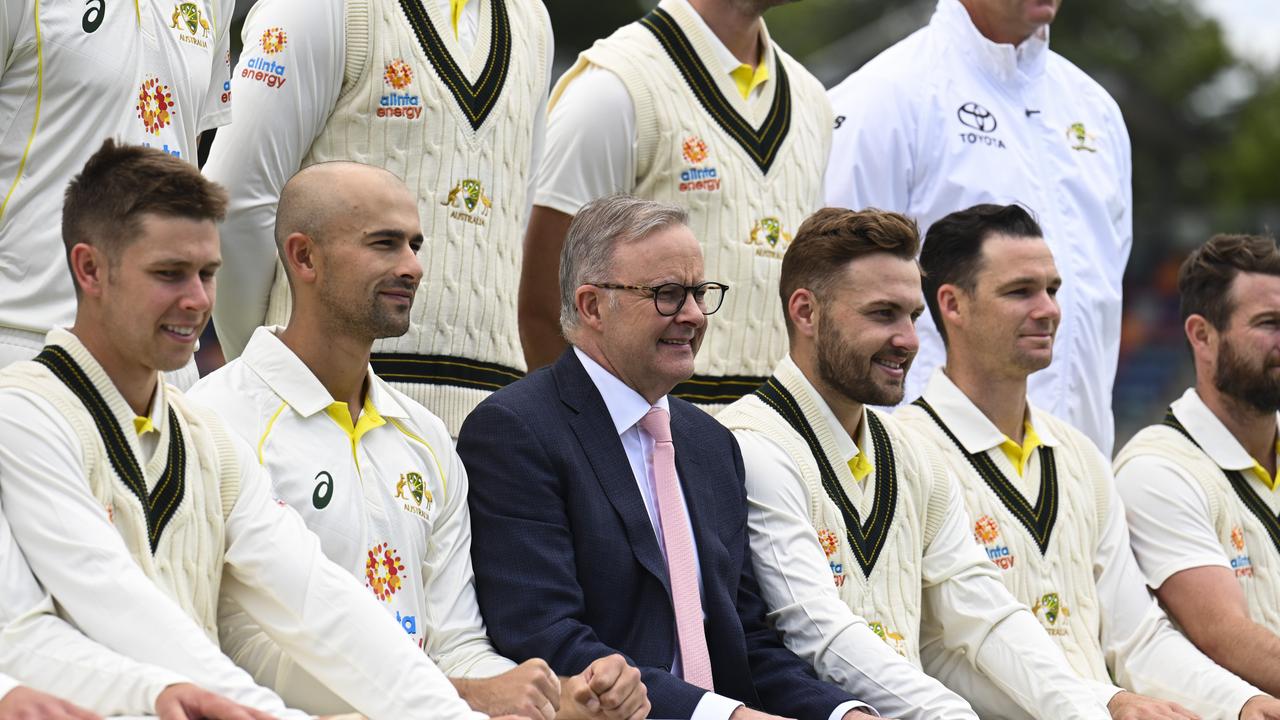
(1044, 546)
(749, 172)
(171, 509)
(874, 533)
(458, 129)
(1246, 524)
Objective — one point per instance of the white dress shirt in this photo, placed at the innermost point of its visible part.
(626, 408)
(591, 134)
(947, 119)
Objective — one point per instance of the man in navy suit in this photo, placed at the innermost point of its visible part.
(608, 517)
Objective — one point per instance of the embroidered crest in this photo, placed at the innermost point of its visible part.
(1081, 139)
(892, 639)
(1049, 609)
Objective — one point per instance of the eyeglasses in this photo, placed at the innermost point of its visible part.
(668, 298)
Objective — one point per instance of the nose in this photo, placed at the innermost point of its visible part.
(690, 313)
(1047, 308)
(409, 267)
(906, 337)
(199, 293)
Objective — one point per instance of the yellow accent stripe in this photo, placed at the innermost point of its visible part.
(270, 424)
(35, 123)
(444, 479)
(137, 12)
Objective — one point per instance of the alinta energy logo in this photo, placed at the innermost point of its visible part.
(400, 102)
(383, 571)
(830, 543)
(987, 532)
(264, 69)
(155, 108)
(1241, 563)
(696, 177)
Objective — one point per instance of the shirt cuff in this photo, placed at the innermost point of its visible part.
(6, 684)
(1104, 691)
(845, 707)
(715, 707)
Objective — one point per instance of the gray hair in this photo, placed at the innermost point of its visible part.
(596, 232)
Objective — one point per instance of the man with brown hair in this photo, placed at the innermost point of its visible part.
(858, 532)
(137, 510)
(1200, 487)
(1039, 492)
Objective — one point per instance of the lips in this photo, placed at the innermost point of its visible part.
(182, 333)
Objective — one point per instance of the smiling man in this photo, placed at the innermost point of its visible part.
(136, 509)
(617, 512)
(1200, 487)
(1039, 493)
(372, 472)
(858, 531)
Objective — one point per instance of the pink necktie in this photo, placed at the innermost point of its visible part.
(681, 567)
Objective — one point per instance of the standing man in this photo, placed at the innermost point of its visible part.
(1200, 488)
(448, 95)
(618, 511)
(372, 472)
(695, 106)
(73, 74)
(993, 115)
(137, 510)
(1040, 493)
(858, 531)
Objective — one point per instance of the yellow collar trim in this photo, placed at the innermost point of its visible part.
(860, 466)
(455, 13)
(1020, 455)
(369, 419)
(1262, 473)
(748, 78)
(143, 425)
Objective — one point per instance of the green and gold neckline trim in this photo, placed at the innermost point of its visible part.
(158, 506)
(1239, 483)
(1038, 519)
(867, 539)
(476, 100)
(762, 143)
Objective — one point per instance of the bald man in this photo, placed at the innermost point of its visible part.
(372, 472)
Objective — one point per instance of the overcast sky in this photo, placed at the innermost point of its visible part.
(1252, 26)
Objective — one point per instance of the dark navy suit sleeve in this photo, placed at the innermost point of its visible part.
(786, 684)
(524, 554)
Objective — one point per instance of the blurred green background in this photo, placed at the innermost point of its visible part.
(1197, 81)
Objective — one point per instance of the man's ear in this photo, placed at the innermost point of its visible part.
(805, 312)
(90, 269)
(299, 257)
(1202, 336)
(589, 301)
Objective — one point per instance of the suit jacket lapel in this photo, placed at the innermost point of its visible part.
(600, 443)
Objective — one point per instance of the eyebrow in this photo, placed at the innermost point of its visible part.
(1027, 280)
(182, 262)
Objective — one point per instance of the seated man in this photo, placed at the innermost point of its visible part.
(1200, 488)
(858, 531)
(136, 509)
(371, 472)
(617, 513)
(53, 657)
(1040, 493)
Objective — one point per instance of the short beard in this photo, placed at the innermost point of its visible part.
(1251, 386)
(375, 322)
(841, 369)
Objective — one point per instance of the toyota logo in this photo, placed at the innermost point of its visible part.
(973, 115)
